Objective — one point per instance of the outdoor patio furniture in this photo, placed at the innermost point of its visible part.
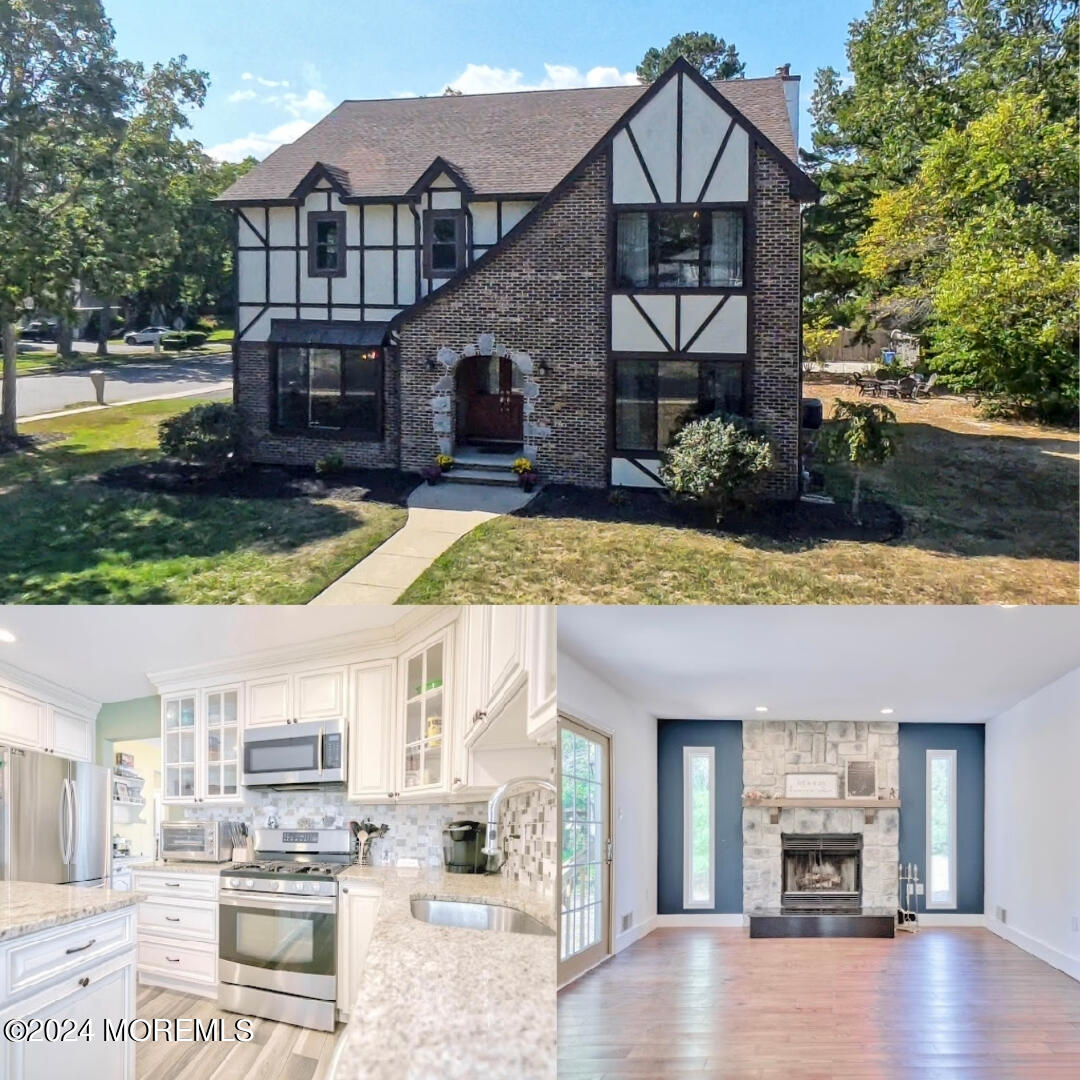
(905, 388)
(870, 387)
(888, 388)
(922, 387)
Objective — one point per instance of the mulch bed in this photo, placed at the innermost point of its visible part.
(264, 482)
(796, 521)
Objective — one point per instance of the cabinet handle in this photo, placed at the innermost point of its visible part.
(173, 959)
(84, 981)
(80, 948)
(172, 918)
(171, 884)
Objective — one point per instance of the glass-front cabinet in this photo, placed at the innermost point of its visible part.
(426, 703)
(178, 746)
(221, 738)
(201, 745)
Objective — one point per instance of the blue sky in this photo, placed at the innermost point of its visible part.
(276, 66)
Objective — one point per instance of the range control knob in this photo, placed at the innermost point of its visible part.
(249, 883)
(234, 883)
(298, 886)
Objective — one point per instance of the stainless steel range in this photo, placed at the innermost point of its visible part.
(277, 942)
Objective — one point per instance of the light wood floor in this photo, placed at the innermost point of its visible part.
(277, 1051)
(712, 1003)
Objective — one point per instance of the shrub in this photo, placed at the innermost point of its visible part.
(182, 339)
(717, 463)
(818, 338)
(329, 464)
(207, 435)
(861, 433)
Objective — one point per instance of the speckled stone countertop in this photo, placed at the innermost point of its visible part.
(29, 906)
(442, 1003)
(179, 867)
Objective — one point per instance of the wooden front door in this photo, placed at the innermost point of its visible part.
(493, 399)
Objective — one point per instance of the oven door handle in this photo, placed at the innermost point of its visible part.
(276, 901)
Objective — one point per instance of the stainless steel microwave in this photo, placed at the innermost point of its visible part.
(196, 841)
(289, 754)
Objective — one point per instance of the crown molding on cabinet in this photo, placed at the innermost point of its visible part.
(46, 690)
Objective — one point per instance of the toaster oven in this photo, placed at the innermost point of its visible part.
(196, 841)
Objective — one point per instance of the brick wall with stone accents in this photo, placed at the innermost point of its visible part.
(264, 446)
(771, 750)
(775, 388)
(543, 294)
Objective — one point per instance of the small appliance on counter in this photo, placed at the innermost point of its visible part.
(463, 843)
(201, 841)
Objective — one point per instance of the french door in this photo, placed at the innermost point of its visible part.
(585, 844)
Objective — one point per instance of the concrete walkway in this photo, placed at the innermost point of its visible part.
(439, 515)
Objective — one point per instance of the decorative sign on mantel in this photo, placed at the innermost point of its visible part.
(862, 779)
(811, 786)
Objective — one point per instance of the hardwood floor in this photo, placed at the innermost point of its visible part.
(277, 1052)
(712, 1003)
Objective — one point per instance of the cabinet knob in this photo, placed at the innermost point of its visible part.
(84, 981)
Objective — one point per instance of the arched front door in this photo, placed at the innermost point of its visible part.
(490, 392)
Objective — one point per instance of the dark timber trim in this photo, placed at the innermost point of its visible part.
(716, 161)
(641, 161)
(314, 219)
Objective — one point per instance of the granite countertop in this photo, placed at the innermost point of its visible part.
(179, 867)
(29, 906)
(444, 1002)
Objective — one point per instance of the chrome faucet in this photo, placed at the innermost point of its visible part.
(491, 846)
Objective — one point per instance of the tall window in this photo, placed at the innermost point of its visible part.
(326, 244)
(654, 398)
(699, 829)
(679, 249)
(444, 243)
(941, 828)
(330, 390)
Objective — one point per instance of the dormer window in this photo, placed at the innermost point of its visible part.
(444, 243)
(326, 244)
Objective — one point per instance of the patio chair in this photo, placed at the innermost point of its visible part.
(905, 388)
(869, 387)
(924, 387)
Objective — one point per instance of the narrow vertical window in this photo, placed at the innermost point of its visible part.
(941, 828)
(699, 831)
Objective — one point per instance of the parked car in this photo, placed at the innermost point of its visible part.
(39, 330)
(149, 335)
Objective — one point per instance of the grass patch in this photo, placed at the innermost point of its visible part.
(990, 513)
(224, 334)
(52, 363)
(69, 539)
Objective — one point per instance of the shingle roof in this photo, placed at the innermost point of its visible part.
(523, 142)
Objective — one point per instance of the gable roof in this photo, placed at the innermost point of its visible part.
(511, 143)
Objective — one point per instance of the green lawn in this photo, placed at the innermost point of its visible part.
(46, 362)
(66, 538)
(990, 515)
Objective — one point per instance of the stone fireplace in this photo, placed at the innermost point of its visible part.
(821, 873)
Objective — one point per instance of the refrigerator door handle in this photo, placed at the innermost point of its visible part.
(74, 821)
(63, 823)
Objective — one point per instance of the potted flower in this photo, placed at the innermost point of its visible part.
(431, 473)
(522, 465)
(528, 479)
(445, 462)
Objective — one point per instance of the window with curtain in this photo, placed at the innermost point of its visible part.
(679, 249)
(329, 389)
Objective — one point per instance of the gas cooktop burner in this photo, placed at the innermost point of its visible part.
(287, 869)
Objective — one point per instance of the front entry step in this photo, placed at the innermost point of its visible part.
(502, 476)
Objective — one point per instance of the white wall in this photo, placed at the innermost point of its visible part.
(589, 698)
(1032, 834)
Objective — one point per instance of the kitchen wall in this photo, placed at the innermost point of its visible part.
(1032, 869)
(142, 833)
(137, 718)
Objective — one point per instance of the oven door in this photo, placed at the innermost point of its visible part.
(284, 755)
(276, 942)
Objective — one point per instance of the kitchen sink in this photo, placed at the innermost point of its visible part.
(467, 915)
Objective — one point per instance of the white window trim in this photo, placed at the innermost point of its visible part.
(690, 752)
(952, 901)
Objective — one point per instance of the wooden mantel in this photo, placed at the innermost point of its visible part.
(870, 807)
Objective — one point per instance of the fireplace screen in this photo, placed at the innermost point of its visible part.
(822, 873)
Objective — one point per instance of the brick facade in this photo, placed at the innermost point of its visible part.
(776, 381)
(544, 294)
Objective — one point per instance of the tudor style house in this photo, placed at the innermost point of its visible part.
(566, 274)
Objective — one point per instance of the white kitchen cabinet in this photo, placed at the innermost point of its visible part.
(69, 735)
(200, 745)
(496, 665)
(373, 724)
(22, 719)
(423, 761)
(269, 701)
(540, 660)
(358, 907)
(297, 697)
(179, 747)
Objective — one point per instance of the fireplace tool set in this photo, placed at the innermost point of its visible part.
(907, 916)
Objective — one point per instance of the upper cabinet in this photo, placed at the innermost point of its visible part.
(178, 747)
(221, 744)
(540, 648)
(309, 695)
(426, 696)
(22, 719)
(201, 745)
(372, 754)
(72, 735)
(37, 723)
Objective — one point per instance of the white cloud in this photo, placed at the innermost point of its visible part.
(241, 95)
(258, 145)
(314, 102)
(248, 77)
(484, 79)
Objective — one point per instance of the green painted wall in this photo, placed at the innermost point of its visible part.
(139, 718)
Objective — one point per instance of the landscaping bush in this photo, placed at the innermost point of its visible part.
(208, 436)
(330, 464)
(862, 434)
(717, 463)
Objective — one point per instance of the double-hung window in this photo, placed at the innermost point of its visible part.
(326, 244)
(679, 249)
(329, 390)
(444, 243)
(941, 883)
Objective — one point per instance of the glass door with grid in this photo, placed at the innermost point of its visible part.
(179, 748)
(425, 718)
(585, 841)
(222, 744)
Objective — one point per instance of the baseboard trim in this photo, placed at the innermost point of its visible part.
(1039, 949)
(635, 933)
(950, 918)
(734, 920)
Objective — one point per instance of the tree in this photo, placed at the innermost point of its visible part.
(712, 56)
(61, 92)
(861, 433)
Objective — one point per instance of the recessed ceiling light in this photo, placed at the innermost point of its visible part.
(6, 636)
(886, 712)
(761, 708)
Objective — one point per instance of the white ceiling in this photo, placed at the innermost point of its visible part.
(957, 664)
(105, 652)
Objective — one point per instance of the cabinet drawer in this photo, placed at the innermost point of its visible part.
(192, 919)
(186, 961)
(161, 883)
(46, 956)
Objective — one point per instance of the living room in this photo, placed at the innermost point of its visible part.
(857, 816)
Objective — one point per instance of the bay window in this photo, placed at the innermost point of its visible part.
(329, 389)
(679, 249)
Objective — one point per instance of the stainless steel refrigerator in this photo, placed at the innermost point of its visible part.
(55, 819)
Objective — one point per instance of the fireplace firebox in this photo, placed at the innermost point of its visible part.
(822, 873)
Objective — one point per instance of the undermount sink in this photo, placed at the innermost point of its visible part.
(467, 915)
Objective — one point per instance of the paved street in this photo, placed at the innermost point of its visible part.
(50, 393)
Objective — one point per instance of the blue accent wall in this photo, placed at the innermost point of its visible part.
(725, 736)
(969, 742)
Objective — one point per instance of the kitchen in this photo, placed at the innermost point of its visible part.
(336, 824)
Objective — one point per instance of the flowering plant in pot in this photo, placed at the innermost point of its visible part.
(528, 479)
(431, 473)
(522, 465)
(445, 462)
